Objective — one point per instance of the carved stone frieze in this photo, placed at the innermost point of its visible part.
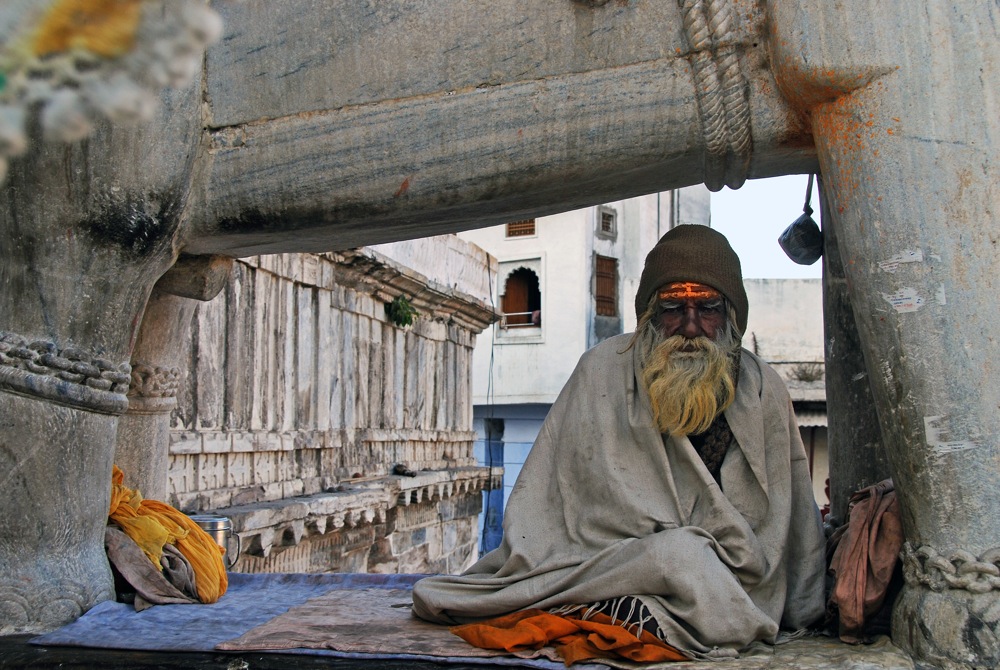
(958, 569)
(280, 524)
(721, 87)
(69, 376)
(154, 381)
(367, 271)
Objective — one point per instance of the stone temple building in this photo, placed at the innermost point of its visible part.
(299, 401)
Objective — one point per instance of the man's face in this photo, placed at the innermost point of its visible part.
(690, 310)
(684, 353)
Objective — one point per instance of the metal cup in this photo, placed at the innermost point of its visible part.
(221, 530)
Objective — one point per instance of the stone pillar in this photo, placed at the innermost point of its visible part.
(56, 484)
(68, 320)
(85, 231)
(857, 458)
(906, 125)
(143, 440)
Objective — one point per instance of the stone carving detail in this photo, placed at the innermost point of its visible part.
(153, 381)
(70, 376)
(721, 87)
(57, 600)
(957, 570)
(285, 523)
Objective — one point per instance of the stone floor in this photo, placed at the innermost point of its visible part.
(812, 653)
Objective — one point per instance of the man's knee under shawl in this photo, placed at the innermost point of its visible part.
(605, 507)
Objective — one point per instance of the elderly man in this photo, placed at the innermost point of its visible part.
(668, 487)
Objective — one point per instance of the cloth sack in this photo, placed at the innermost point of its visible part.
(865, 563)
(153, 525)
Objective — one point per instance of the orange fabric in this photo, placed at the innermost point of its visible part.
(147, 530)
(152, 524)
(204, 555)
(104, 27)
(688, 290)
(573, 639)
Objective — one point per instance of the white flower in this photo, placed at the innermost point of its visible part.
(120, 99)
(65, 118)
(205, 25)
(77, 85)
(13, 141)
(182, 69)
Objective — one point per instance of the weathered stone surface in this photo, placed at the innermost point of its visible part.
(536, 73)
(574, 104)
(52, 564)
(360, 529)
(334, 424)
(857, 457)
(950, 629)
(917, 262)
(405, 507)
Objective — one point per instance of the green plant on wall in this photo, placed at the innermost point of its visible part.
(401, 312)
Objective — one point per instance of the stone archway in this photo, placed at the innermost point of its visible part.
(395, 123)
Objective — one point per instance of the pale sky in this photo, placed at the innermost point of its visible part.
(753, 217)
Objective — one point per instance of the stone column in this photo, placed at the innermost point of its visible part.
(857, 458)
(903, 109)
(85, 231)
(69, 317)
(143, 441)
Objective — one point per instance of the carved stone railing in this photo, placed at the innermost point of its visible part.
(281, 524)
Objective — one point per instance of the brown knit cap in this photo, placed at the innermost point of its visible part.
(699, 254)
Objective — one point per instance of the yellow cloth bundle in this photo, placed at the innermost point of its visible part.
(152, 524)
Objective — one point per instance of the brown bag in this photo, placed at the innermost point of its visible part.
(865, 562)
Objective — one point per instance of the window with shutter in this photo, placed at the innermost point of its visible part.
(521, 301)
(606, 286)
(524, 228)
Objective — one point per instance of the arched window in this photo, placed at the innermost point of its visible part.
(521, 301)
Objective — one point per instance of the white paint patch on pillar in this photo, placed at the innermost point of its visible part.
(887, 372)
(937, 434)
(909, 256)
(905, 299)
(940, 296)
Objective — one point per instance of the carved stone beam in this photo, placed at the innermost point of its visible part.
(494, 115)
(196, 277)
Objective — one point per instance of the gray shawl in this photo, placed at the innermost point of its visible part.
(605, 506)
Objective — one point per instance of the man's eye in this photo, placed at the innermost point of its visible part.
(671, 307)
(710, 308)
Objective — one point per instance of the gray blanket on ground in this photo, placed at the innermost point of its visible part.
(256, 606)
(606, 507)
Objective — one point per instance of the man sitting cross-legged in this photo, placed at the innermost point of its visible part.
(668, 488)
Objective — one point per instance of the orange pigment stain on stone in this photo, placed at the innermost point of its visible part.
(403, 188)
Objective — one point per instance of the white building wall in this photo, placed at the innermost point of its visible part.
(785, 322)
(532, 365)
(524, 367)
(785, 328)
(517, 374)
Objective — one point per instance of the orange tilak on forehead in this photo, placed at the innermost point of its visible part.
(688, 290)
